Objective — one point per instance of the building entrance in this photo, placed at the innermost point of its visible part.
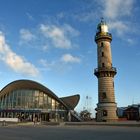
(45, 117)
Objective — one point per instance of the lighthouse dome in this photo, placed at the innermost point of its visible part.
(102, 27)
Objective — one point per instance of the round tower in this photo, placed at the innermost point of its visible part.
(106, 107)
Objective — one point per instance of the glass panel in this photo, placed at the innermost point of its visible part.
(57, 105)
(41, 99)
(14, 99)
(53, 104)
(49, 103)
(23, 98)
(19, 95)
(2, 102)
(62, 107)
(45, 101)
(26, 97)
(35, 99)
(5, 101)
(30, 99)
(8, 101)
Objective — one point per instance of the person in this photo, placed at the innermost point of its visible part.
(4, 123)
(34, 120)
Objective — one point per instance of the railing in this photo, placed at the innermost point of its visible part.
(113, 69)
(103, 34)
(76, 116)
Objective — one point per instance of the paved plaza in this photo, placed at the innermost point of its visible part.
(69, 133)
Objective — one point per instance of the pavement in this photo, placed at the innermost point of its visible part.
(59, 132)
(92, 123)
(121, 123)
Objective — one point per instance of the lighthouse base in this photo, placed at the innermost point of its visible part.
(106, 112)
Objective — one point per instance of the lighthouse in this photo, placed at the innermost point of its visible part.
(105, 72)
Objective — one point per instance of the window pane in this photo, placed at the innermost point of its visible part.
(53, 104)
(49, 103)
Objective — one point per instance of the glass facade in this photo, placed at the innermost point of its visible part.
(29, 99)
(30, 103)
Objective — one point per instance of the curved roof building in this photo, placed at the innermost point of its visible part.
(26, 100)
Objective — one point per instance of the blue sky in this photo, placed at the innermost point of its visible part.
(52, 42)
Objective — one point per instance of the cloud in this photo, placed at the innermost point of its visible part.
(46, 64)
(56, 66)
(118, 13)
(117, 8)
(30, 17)
(68, 58)
(61, 65)
(61, 15)
(119, 26)
(88, 16)
(60, 37)
(45, 48)
(129, 40)
(70, 30)
(89, 11)
(26, 35)
(14, 61)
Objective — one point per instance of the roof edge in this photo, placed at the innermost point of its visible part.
(71, 101)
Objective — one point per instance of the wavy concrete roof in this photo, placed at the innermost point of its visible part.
(68, 102)
(71, 101)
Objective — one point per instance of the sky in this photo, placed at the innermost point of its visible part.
(52, 42)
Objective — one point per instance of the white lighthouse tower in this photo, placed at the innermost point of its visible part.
(106, 107)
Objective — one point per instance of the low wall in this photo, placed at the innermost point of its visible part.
(125, 123)
(9, 119)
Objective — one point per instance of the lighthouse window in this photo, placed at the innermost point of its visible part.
(103, 64)
(102, 44)
(102, 54)
(104, 95)
(104, 112)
